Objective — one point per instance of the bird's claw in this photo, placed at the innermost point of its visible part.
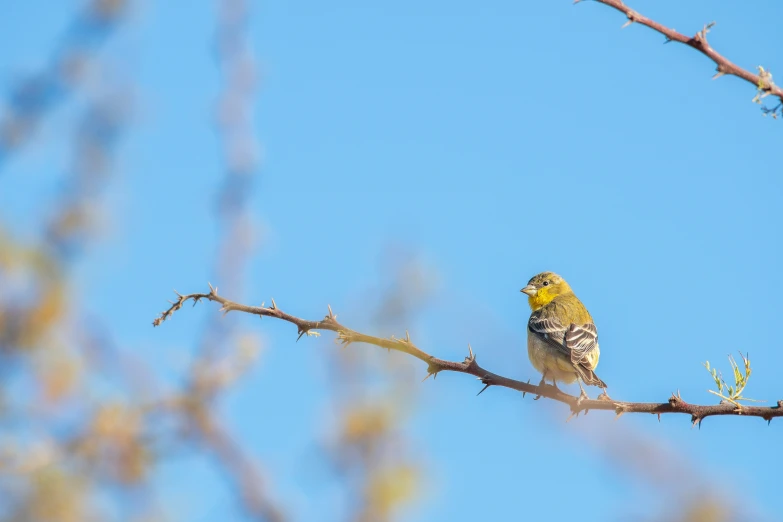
(604, 396)
(582, 397)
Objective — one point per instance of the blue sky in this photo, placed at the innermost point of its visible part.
(492, 142)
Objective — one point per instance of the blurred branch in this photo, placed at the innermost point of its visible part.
(346, 336)
(762, 81)
(239, 468)
(41, 93)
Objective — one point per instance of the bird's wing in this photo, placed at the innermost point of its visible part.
(576, 342)
(581, 341)
(550, 329)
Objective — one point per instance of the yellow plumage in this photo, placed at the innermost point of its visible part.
(562, 340)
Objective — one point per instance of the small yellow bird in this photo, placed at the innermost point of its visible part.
(562, 341)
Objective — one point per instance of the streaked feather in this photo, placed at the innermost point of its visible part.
(576, 342)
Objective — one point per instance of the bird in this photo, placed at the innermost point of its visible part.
(562, 340)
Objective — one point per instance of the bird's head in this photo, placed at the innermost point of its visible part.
(544, 287)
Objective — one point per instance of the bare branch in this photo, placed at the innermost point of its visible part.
(762, 81)
(346, 336)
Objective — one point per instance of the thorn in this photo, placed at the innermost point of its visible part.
(659, 418)
(407, 337)
(274, 305)
(484, 388)
(471, 356)
(573, 414)
(524, 392)
(211, 289)
(667, 40)
(429, 374)
(331, 314)
(343, 338)
(631, 19)
(718, 75)
(695, 420)
(178, 294)
(780, 404)
(302, 331)
(619, 412)
(702, 35)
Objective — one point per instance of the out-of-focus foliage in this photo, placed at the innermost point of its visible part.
(72, 452)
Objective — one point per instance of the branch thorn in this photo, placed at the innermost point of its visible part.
(702, 35)
(631, 19)
(524, 392)
(431, 370)
(471, 356)
(301, 332)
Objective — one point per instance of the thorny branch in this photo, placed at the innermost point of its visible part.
(762, 81)
(346, 336)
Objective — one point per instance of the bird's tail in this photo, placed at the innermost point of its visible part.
(589, 377)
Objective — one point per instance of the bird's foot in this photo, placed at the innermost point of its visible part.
(604, 396)
(541, 385)
(582, 397)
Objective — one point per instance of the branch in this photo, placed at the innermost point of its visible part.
(762, 81)
(346, 336)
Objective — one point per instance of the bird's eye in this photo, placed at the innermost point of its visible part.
(546, 283)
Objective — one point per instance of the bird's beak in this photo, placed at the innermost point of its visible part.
(529, 290)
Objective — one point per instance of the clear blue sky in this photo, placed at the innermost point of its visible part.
(494, 141)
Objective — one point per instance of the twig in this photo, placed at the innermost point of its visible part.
(762, 82)
(346, 336)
